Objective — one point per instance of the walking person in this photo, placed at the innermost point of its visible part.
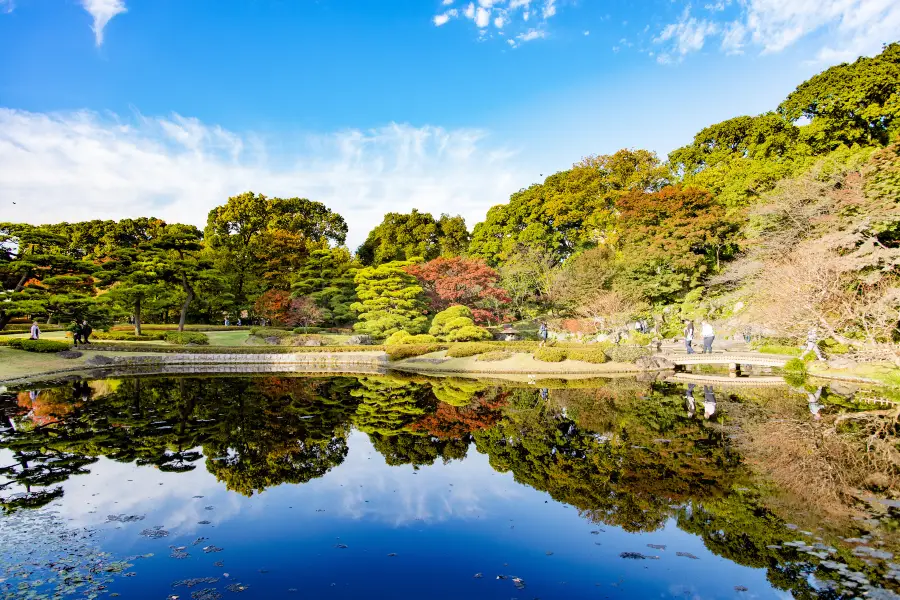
(543, 332)
(86, 331)
(35, 331)
(812, 345)
(75, 328)
(709, 335)
(689, 336)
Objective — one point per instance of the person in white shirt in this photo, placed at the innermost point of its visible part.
(35, 331)
(706, 330)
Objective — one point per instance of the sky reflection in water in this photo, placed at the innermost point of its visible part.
(370, 529)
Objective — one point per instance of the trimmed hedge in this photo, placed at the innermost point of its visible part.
(124, 347)
(158, 327)
(187, 337)
(404, 337)
(43, 346)
(264, 332)
(121, 336)
(594, 355)
(627, 354)
(401, 351)
(471, 349)
(552, 355)
(494, 356)
(302, 330)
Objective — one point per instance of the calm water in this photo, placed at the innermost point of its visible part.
(390, 487)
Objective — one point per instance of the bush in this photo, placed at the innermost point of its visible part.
(43, 346)
(404, 337)
(360, 340)
(627, 353)
(494, 356)
(778, 349)
(167, 349)
(546, 354)
(470, 349)
(594, 355)
(640, 339)
(195, 327)
(832, 346)
(150, 336)
(468, 333)
(187, 338)
(308, 329)
(264, 332)
(401, 351)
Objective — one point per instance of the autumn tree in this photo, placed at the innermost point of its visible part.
(303, 312)
(273, 305)
(466, 281)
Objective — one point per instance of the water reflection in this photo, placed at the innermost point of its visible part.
(388, 451)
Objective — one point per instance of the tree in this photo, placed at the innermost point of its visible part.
(583, 275)
(257, 242)
(390, 300)
(40, 277)
(407, 236)
(467, 281)
(274, 305)
(560, 215)
(456, 325)
(671, 241)
(527, 275)
(327, 277)
(304, 312)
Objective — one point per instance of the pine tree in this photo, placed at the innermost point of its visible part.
(390, 300)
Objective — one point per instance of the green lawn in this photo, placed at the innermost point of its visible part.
(227, 338)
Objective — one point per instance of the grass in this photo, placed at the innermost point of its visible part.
(227, 338)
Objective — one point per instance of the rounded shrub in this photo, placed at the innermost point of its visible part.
(184, 338)
(469, 349)
(627, 353)
(494, 356)
(469, 333)
(405, 337)
(43, 346)
(590, 355)
(401, 351)
(546, 354)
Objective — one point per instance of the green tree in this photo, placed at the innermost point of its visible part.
(327, 276)
(390, 300)
(405, 236)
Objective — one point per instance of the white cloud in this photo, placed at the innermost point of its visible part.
(83, 165)
(447, 2)
(843, 29)
(102, 11)
(6, 6)
(586, 32)
(686, 35)
(443, 18)
(510, 16)
(482, 17)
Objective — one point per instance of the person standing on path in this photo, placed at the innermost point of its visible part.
(543, 332)
(709, 335)
(75, 328)
(86, 331)
(689, 336)
(812, 345)
(35, 331)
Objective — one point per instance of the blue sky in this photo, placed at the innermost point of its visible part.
(114, 108)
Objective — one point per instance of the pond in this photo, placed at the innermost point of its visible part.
(388, 486)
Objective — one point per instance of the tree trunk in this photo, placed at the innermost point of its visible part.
(137, 317)
(189, 291)
(5, 317)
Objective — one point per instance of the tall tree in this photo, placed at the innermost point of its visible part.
(390, 300)
(327, 277)
(406, 236)
(467, 281)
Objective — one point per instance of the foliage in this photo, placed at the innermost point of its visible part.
(42, 346)
(401, 351)
(550, 354)
(455, 324)
(795, 366)
(390, 300)
(146, 336)
(466, 281)
(494, 356)
(627, 353)
(187, 337)
(593, 355)
(402, 237)
(527, 275)
(273, 305)
(404, 337)
(303, 311)
(469, 349)
(327, 277)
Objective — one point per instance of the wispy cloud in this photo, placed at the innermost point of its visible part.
(844, 29)
(6, 6)
(519, 19)
(84, 165)
(102, 11)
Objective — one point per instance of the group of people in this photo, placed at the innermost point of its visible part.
(706, 332)
(81, 332)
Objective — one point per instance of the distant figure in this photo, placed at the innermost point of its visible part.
(709, 402)
(812, 345)
(747, 336)
(86, 331)
(227, 322)
(75, 328)
(543, 332)
(239, 322)
(815, 406)
(689, 400)
(689, 336)
(709, 335)
(35, 331)
(545, 394)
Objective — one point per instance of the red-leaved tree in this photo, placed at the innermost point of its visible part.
(303, 312)
(274, 306)
(467, 281)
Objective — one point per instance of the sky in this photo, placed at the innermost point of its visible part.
(126, 108)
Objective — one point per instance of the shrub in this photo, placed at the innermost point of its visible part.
(309, 329)
(404, 337)
(832, 346)
(169, 349)
(795, 366)
(640, 339)
(187, 337)
(470, 349)
(494, 356)
(149, 336)
(264, 332)
(42, 346)
(360, 340)
(627, 353)
(546, 354)
(593, 355)
(778, 349)
(468, 333)
(401, 351)
(445, 316)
